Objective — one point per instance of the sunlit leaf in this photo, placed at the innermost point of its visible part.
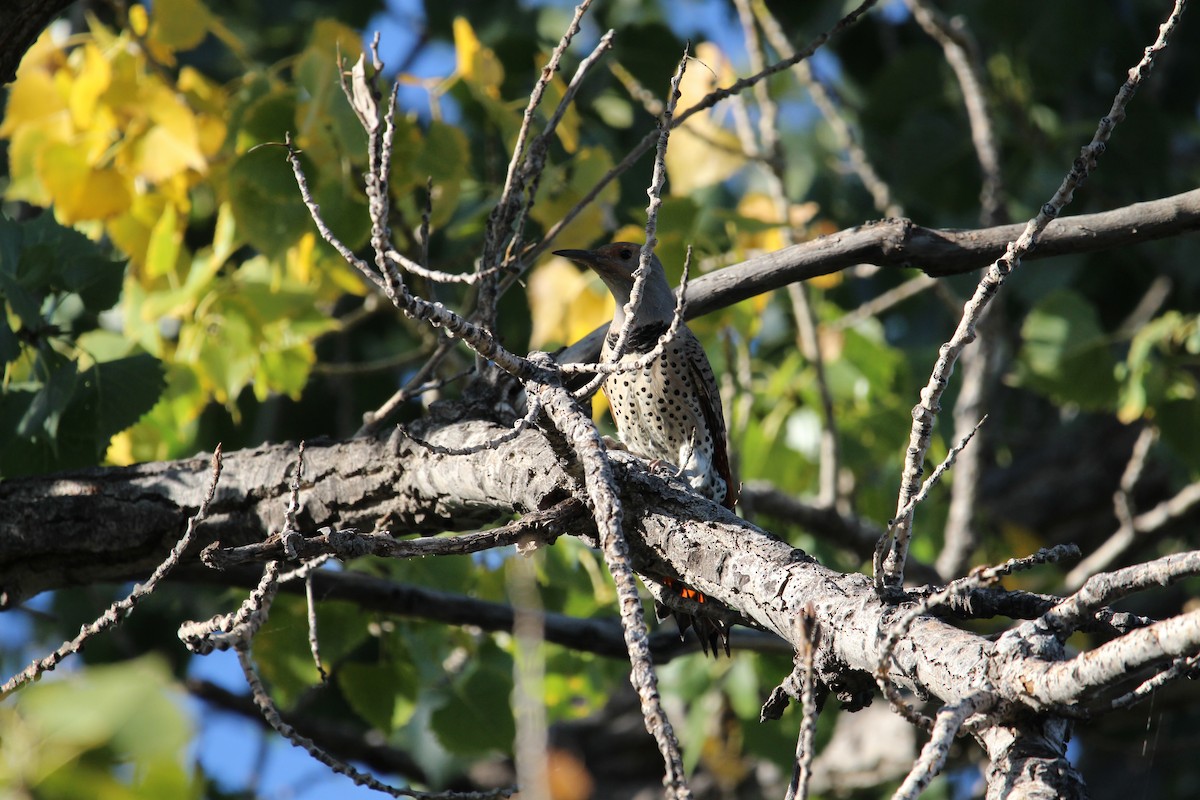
(79, 191)
(179, 24)
(165, 246)
(94, 76)
(566, 303)
(476, 63)
(1066, 354)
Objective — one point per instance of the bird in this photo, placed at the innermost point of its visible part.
(669, 410)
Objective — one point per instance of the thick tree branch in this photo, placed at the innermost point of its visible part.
(21, 22)
(937, 252)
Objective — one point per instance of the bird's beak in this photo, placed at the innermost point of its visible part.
(585, 257)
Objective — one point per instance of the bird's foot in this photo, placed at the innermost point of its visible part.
(614, 444)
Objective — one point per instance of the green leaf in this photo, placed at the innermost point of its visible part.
(1066, 354)
(383, 694)
(121, 717)
(266, 201)
(51, 400)
(446, 157)
(123, 391)
(477, 717)
(75, 263)
(1179, 422)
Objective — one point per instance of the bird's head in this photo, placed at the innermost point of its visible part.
(615, 264)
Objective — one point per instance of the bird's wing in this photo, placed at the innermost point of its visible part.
(709, 395)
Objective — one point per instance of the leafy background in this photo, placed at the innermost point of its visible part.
(175, 294)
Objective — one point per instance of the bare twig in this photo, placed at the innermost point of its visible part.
(1127, 531)
(843, 133)
(1104, 589)
(977, 579)
(889, 574)
(1089, 674)
(541, 527)
(707, 102)
(962, 55)
(640, 275)
(121, 609)
(600, 484)
(882, 302)
(604, 369)
(504, 221)
(271, 714)
(805, 742)
(415, 387)
(946, 725)
(1180, 668)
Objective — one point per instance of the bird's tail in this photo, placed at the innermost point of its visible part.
(711, 631)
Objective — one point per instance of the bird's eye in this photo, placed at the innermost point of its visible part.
(626, 253)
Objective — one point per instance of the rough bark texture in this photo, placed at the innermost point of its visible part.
(21, 22)
(106, 525)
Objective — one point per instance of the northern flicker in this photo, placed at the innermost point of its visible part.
(670, 410)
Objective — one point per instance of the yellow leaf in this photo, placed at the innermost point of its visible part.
(131, 230)
(139, 19)
(23, 153)
(695, 160)
(762, 207)
(701, 152)
(824, 228)
(475, 63)
(225, 239)
(567, 130)
(46, 55)
(34, 99)
(207, 100)
(466, 45)
(180, 24)
(172, 144)
(565, 303)
(92, 77)
(166, 241)
(120, 447)
(78, 191)
(300, 259)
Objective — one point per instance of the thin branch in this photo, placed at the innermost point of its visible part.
(603, 369)
(1087, 675)
(271, 714)
(600, 484)
(961, 54)
(503, 226)
(877, 305)
(1181, 667)
(977, 579)
(642, 273)
(415, 387)
(946, 725)
(936, 252)
(1108, 587)
(120, 610)
(891, 575)
(540, 527)
(843, 134)
(388, 278)
(707, 102)
(810, 635)
(1127, 531)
